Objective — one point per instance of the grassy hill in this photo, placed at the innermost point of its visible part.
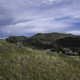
(23, 63)
(51, 36)
(47, 40)
(21, 38)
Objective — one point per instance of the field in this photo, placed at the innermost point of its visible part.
(23, 63)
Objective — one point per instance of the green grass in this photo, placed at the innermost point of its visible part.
(23, 63)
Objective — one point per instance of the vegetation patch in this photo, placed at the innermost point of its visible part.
(23, 63)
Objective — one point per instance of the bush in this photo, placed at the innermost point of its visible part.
(60, 49)
(11, 39)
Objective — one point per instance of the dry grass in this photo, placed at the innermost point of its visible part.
(28, 64)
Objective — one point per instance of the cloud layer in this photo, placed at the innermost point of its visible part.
(27, 17)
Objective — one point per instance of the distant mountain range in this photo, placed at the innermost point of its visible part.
(50, 39)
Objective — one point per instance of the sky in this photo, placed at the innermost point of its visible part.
(29, 17)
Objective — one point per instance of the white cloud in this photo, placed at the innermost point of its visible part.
(35, 26)
(76, 32)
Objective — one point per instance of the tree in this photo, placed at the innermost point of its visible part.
(11, 39)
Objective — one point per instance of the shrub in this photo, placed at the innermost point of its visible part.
(11, 39)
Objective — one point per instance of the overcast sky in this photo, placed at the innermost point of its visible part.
(28, 17)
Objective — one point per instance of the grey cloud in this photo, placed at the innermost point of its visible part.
(5, 22)
(32, 16)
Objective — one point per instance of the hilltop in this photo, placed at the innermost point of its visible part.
(48, 40)
(51, 36)
(21, 38)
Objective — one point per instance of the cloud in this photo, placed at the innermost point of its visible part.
(31, 16)
(34, 26)
(76, 32)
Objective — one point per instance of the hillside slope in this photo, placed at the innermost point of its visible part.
(69, 42)
(47, 40)
(21, 38)
(23, 63)
(51, 36)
